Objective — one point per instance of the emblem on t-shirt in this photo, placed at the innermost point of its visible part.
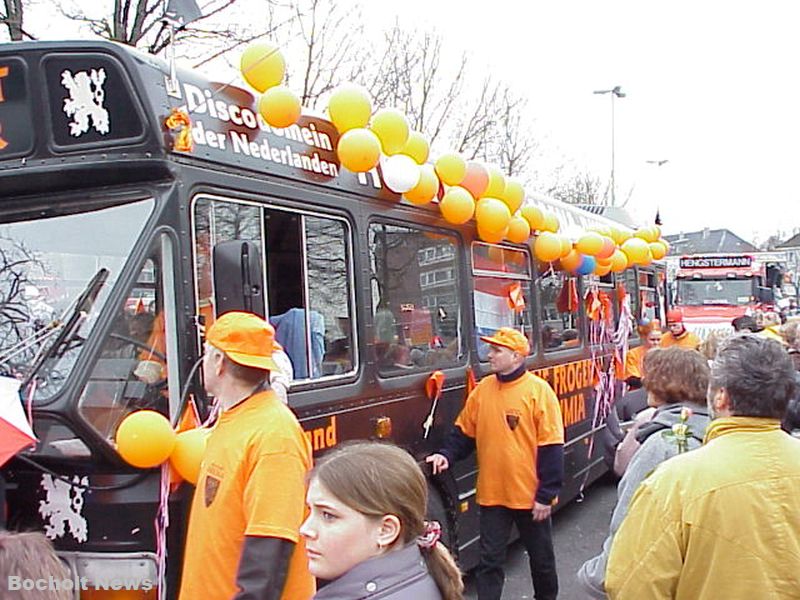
(512, 418)
(212, 485)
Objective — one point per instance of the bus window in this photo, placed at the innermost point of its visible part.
(132, 371)
(415, 308)
(502, 292)
(631, 288)
(54, 284)
(560, 309)
(648, 296)
(307, 278)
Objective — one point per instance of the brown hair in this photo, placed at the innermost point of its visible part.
(710, 345)
(378, 479)
(30, 556)
(676, 375)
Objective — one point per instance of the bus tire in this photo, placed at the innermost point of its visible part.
(437, 511)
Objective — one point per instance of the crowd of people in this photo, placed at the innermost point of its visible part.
(708, 502)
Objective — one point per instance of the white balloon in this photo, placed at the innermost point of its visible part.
(400, 173)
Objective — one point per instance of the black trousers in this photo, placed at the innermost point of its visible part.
(496, 522)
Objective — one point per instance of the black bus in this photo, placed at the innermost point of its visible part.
(117, 246)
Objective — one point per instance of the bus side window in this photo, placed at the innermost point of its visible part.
(502, 295)
(307, 277)
(631, 287)
(415, 290)
(560, 310)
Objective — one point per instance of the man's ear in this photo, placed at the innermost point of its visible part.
(722, 402)
(389, 530)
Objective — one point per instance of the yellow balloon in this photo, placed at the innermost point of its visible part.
(547, 246)
(262, 66)
(666, 244)
(359, 150)
(417, 147)
(451, 169)
(349, 107)
(590, 243)
(391, 127)
(534, 216)
(426, 189)
(636, 249)
(492, 214)
(550, 222)
(513, 195)
(188, 453)
(648, 234)
(279, 106)
(497, 184)
(601, 270)
(566, 245)
(518, 230)
(492, 237)
(619, 262)
(658, 249)
(457, 205)
(145, 439)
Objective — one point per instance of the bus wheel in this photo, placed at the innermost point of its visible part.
(437, 512)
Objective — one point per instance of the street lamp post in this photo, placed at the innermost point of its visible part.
(616, 92)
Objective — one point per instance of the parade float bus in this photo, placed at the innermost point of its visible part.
(713, 289)
(117, 248)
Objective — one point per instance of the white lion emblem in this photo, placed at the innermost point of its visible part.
(63, 506)
(86, 100)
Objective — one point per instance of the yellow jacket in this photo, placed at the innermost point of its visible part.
(722, 521)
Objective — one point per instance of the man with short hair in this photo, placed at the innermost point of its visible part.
(678, 335)
(243, 539)
(514, 419)
(722, 521)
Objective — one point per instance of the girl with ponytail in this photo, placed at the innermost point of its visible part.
(366, 533)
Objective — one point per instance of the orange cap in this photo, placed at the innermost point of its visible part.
(245, 338)
(674, 316)
(509, 338)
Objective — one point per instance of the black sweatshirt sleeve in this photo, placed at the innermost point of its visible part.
(457, 445)
(550, 472)
(263, 568)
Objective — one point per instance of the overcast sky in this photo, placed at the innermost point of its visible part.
(712, 86)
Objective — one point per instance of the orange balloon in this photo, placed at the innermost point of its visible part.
(492, 237)
(513, 195)
(619, 261)
(601, 270)
(590, 243)
(572, 261)
(518, 230)
(534, 216)
(492, 214)
(608, 248)
(145, 439)
(476, 179)
(547, 246)
(359, 150)
(279, 106)
(188, 453)
(457, 205)
(426, 189)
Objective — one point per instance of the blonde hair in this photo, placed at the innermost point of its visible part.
(378, 479)
(30, 556)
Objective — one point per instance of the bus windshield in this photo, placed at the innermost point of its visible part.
(699, 292)
(56, 273)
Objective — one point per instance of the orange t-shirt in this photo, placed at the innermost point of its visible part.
(509, 421)
(687, 340)
(633, 362)
(252, 482)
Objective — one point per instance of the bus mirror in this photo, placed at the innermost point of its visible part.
(238, 277)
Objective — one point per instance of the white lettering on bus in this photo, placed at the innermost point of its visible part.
(241, 144)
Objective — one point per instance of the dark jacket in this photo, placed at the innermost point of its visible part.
(399, 575)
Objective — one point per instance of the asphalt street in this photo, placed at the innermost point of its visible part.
(578, 531)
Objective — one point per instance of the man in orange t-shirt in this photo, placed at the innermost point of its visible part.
(678, 335)
(514, 420)
(243, 539)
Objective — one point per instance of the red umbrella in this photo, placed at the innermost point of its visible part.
(15, 432)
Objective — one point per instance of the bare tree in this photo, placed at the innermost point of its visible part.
(583, 188)
(12, 19)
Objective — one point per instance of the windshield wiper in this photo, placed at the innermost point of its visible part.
(70, 324)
